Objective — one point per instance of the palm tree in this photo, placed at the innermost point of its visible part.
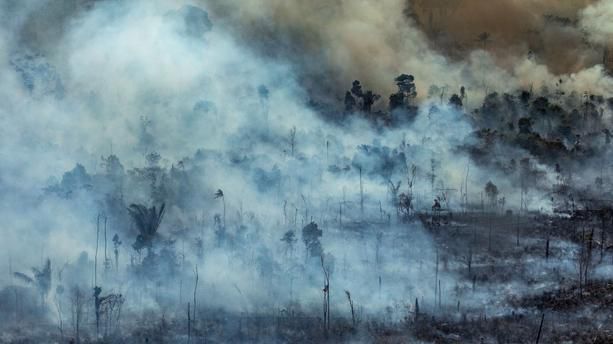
(41, 279)
(219, 194)
(147, 221)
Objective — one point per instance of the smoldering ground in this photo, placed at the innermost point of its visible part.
(212, 109)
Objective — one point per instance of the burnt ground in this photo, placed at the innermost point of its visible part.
(511, 272)
(530, 267)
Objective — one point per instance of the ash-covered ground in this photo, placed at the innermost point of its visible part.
(306, 171)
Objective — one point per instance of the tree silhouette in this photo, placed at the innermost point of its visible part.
(455, 102)
(219, 194)
(367, 99)
(491, 191)
(116, 244)
(484, 38)
(41, 279)
(147, 222)
(310, 236)
(289, 238)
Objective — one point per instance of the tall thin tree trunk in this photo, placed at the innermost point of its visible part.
(105, 242)
(195, 288)
(538, 336)
(602, 237)
(361, 193)
(189, 323)
(223, 199)
(436, 279)
(117, 260)
(96, 253)
(489, 238)
(517, 236)
(440, 293)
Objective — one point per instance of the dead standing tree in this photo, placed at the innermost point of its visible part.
(584, 257)
(432, 175)
(189, 323)
(393, 189)
(59, 292)
(326, 291)
(77, 298)
(108, 306)
(405, 205)
(361, 192)
(436, 280)
(107, 261)
(491, 191)
(605, 215)
(96, 251)
(292, 140)
(116, 244)
(408, 202)
(111, 309)
(464, 190)
(353, 319)
(219, 194)
(97, 304)
(195, 290)
(306, 208)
